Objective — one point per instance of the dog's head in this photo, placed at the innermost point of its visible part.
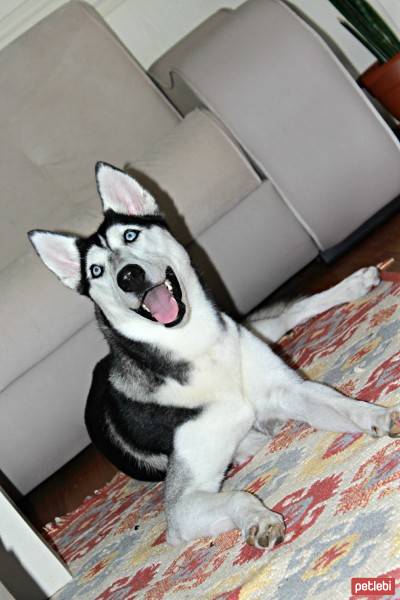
(131, 267)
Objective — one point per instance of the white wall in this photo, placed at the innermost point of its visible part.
(150, 27)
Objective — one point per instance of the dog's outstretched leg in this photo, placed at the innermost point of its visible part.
(203, 448)
(351, 288)
(327, 409)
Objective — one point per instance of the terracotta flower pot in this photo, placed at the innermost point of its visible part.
(383, 82)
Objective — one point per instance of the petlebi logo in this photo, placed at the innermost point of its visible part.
(372, 586)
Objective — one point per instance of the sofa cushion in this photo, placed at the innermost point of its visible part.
(203, 171)
(71, 94)
(252, 250)
(38, 313)
(42, 424)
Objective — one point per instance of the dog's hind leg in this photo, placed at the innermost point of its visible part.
(203, 448)
(327, 409)
(351, 288)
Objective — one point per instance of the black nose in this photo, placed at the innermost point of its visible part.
(131, 278)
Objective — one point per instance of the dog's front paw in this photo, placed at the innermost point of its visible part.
(265, 529)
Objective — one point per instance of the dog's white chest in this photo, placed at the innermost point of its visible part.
(215, 376)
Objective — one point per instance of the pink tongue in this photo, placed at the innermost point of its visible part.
(162, 305)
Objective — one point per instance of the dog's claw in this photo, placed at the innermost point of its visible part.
(251, 537)
(394, 426)
(263, 541)
(265, 537)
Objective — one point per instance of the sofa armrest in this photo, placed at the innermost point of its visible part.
(280, 90)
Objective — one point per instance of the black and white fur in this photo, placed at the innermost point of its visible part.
(185, 390)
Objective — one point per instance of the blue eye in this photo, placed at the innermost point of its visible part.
(130, 235)
(96, 271)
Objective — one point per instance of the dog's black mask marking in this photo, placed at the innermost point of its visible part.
(110, 218)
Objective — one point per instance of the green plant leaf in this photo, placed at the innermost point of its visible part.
(375, 51)
(377, 22)
(355, 18)
(370, 26)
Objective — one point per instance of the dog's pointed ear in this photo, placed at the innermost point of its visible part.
(123, 194)
(60, 254)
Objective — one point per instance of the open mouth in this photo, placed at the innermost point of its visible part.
(163, 303)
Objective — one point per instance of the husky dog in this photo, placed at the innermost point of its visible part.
(185, 391)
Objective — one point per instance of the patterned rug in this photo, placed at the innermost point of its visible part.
(339, 493)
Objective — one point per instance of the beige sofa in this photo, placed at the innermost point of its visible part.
(72, 95)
